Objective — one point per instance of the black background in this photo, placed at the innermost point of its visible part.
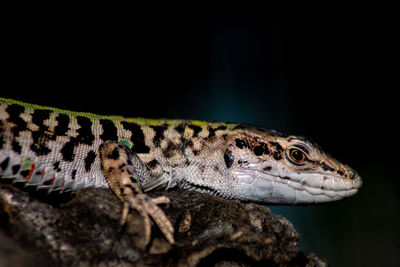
(327, 72)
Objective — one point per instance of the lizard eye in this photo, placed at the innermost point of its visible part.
(297, 156)
(229, 158)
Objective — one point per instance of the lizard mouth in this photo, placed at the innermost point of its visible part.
(310, 188)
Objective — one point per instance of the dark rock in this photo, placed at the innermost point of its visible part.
(85, 230)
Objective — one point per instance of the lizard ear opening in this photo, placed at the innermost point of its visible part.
(229, 158)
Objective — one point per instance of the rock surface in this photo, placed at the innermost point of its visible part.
(84, 230)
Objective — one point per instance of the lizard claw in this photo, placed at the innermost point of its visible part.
(147, 207)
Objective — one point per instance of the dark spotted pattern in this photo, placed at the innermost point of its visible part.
(15, 169)
(114, 154)
(159, 134)
(152, 164)
(62, 125)
(85, 136)
(195, 152)
(73, 174)
(180, 128)
(187, 143)
(277, 150)
(110, 132)
(15, 111)
(261, 148)
(42, 135)
(212, 131)
(25, 173)
(258, 150)
(326, 167)
(277, 146)
(171, 150)
(68, 151)
(277, 155)
(241, 143)
(137, 138)
(89, 160)
(196, 129)
(4, 163)
(56, 165)
(39, 116)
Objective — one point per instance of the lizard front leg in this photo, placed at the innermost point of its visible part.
(123, 169)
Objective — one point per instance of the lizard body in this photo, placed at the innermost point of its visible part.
(54, 149)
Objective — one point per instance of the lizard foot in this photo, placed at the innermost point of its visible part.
(123, 169)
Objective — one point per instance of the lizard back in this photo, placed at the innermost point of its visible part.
(57, 149)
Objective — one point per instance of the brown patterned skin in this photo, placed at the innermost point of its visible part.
(65, 151)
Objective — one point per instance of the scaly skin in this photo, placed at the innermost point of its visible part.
(61, 150)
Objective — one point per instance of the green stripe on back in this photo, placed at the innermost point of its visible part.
(141, 121)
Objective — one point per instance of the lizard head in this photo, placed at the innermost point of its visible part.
(270, 167)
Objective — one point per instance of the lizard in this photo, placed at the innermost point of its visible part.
(58, 150)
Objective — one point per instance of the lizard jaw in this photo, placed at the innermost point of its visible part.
(310, 188)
